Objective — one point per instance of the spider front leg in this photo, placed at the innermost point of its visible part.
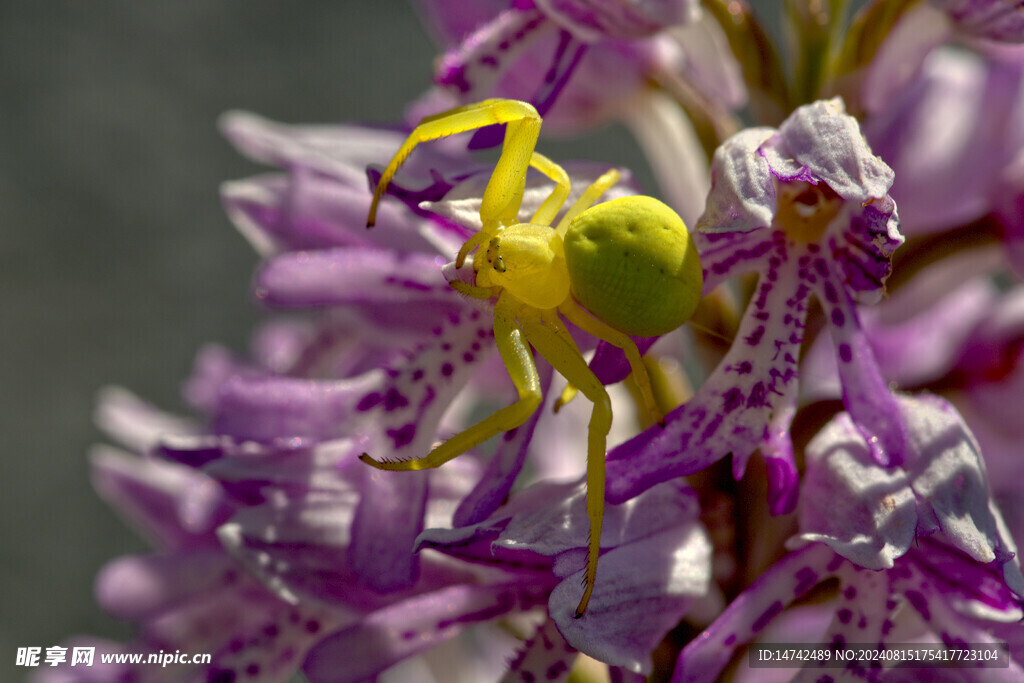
(504, 191)
(541, 330)
(519, 362)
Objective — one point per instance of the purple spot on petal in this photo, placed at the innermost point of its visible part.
(850, 592)
(417, 375)
(732, 399)
(394, 399)
(844, 615)
(252, 670)
(404, 435)
(755, 337)
(845, 353)
(730, 640)
(368, 401)
(447, 369)
(831, 295)
(556, 670)
(838, 318)
(886, 627)
(468, 357)
(920, 603)
(758, 396)
(769, 614)
(863, 623)
(806, 578)
(312, 626)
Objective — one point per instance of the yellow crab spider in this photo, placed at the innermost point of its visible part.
(626, 266)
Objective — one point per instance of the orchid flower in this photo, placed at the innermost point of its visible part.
(807, 208)
(915, 548)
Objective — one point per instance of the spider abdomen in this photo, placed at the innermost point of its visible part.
(632, 265)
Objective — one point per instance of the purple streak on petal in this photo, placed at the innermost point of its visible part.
(394, 633)
(473, 67)
(503, 468)
(568, 54)
(864, 247)
(724, 255)
(956, 575)
(730, 412)
(788, 579)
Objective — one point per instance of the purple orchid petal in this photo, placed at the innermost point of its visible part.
(595, 19)
(998, 20)
(609, 363)
(307, 211)
(864, 512)
(789, 195)
(724, 254)
(139, 587)
(948, 625)
(742, 197)
(731, 410)
(949, 473)
(400, 417)
(174, 506)
(133, 423)
(634, 604)
(866, 394)
(504, 466)
(300, 551)
(780, 462)
(871, 514)
(971, 588)
(265, 407)
(384, 530)
(473, 67)
(792, 577)
(422, 622)
(336, 277)
(949, 135)
(820, 140)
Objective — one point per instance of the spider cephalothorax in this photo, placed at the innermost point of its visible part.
(623, 267)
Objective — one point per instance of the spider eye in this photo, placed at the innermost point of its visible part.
(493, 257)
